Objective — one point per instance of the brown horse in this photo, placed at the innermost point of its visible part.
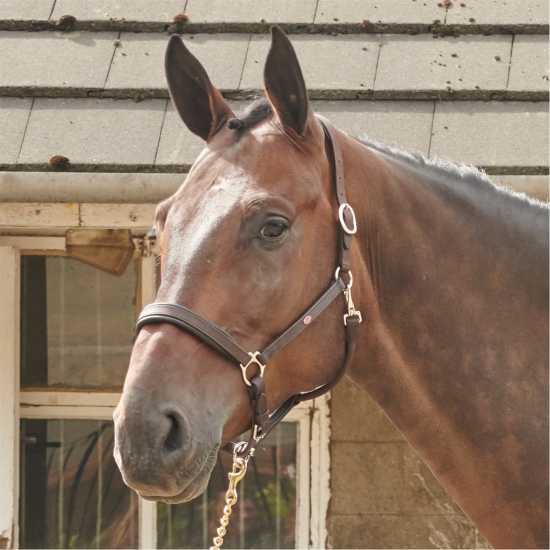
(450, 273)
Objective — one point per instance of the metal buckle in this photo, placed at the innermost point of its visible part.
(253, 361)
(349, 230)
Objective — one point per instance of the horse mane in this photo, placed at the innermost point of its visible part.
(258, 111)
(439, 167)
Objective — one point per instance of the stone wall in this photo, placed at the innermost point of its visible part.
(382, 494)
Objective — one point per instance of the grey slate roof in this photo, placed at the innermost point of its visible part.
(346, 63)
(472, 87)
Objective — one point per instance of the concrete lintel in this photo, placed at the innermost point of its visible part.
(80, 187)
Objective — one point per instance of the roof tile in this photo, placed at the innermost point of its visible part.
(386, 11)
(492, 133)
(422, 62)
(403, 123)
(177, 144)
(139, 60)
(245, 11)
(93, 131)
(328, 62)
(529, 68)
(14, 113)
(55, 59)
(26, 9)
(498, 12)
(131, 10)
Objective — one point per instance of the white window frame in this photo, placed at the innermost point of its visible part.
(313, 419)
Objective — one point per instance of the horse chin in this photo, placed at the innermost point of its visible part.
(192, 491)
(194, 486)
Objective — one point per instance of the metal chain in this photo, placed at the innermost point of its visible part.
(238, 471)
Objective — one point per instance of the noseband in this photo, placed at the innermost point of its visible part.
(183, 318)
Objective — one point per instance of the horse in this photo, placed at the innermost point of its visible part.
(449, 272)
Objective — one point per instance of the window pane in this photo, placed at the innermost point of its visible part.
(264, 516)
(72, 494)
(77, 323)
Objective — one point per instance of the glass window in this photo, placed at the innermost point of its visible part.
(77, 323)
(264, 516)
(72, 494)
(77, 327)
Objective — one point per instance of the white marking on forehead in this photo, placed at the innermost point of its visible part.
(204, 220)
(232, 149)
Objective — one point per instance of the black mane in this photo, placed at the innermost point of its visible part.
(256, 112)
(438, 168)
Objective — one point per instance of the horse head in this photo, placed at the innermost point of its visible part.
(248, 243)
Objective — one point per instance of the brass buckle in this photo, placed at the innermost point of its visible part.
(252, 361)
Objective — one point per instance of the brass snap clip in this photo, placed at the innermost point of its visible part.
(352, 313)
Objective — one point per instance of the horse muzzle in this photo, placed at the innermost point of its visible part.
(155, 453)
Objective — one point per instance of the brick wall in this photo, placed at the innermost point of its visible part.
(382, 494)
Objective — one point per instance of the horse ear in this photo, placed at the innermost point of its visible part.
(284, 83)
(200, 105)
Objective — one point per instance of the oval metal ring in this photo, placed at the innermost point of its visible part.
(349, 284)
(349, 230)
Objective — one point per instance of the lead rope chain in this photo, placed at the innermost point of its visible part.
(238, 471)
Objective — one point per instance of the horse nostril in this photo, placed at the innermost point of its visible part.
(174, 438)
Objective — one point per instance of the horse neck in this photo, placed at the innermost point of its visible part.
(453, 279)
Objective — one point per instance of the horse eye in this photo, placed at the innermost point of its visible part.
(274, 229)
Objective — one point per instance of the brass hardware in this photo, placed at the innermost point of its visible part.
(252, 361)
(349, 275)
(240, 465)
(352, 312)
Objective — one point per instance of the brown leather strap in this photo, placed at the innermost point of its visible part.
(187, 320)
(332, 292)
(333, 146)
